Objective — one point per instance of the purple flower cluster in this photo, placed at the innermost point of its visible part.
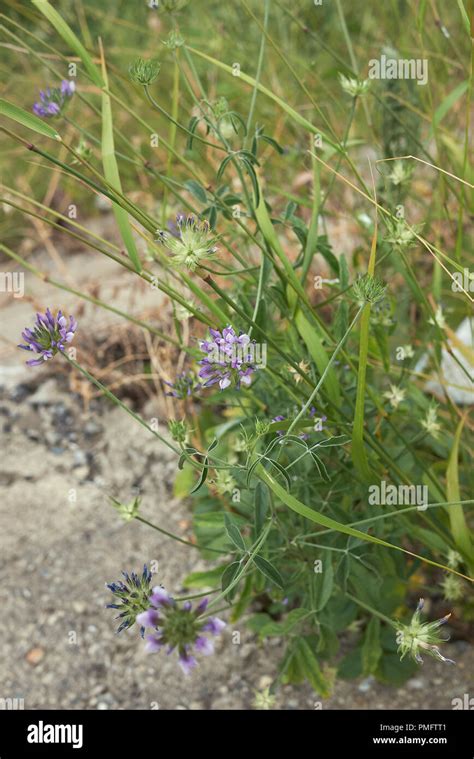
(229, 359)
(53, 99)
(174, 226)
(133, 595)
(184, 385)
(179, 627)
(49, 335)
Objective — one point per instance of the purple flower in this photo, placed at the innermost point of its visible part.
(160, 597)
(153, 644)
(134, 595)
(204, 646)
(183, 386)
(174, 226)
(214, 625)
(68, 88)
(187, 663)
(53, 99)
(148, 618)
(229, 359)
(49, 335)
(179, 626)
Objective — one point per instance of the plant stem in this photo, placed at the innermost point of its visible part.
(324, 374)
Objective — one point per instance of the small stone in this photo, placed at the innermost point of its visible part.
(102, 705)
(45, 395)
(91, 429)
(97, 689)
(80, 458)
(35, 655)
(81, 472)
(366, 684)
(52, 438)
(246, 650)
(416, 683)
(19, 393)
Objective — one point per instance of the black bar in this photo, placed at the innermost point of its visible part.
(154, 732)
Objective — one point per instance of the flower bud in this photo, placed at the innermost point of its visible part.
(143, 71)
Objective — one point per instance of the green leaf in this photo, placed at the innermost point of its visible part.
(290, 668)
(112, 176)
(65, 31)
(265, 223)
(325, 249)
(245, 599)
(448, 102)
(430, 539)
(28, 120)
(350, 666)
(317, 352)
(202, 478)
(207, 579)
(229, 574)
(262, 505)
(392, 671)
(210, 530)
(183, 482)
(197, 190)
(267, 569)
(465, 17)
(285, 626)
(371, 647)
(343, 272)
(258, 621)
(459, 528)
(323, 583)
(273, 143)
(234, 533)
(311, 669)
